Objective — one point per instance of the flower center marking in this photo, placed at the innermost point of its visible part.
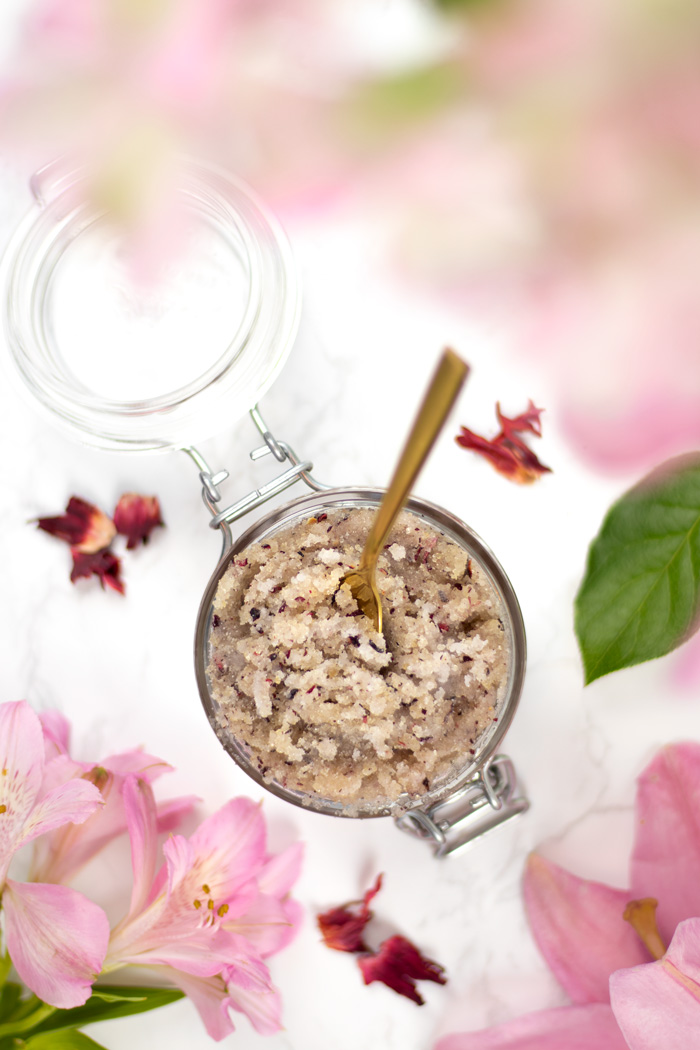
(641, 915)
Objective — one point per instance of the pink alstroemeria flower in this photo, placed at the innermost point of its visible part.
(622, 999)
(61, 854)
(56, 937)
(214, 910)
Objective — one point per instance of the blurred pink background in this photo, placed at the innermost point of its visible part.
(533, 159)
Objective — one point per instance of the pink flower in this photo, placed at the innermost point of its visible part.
(60, 854)
(621, 998)
(194, 920)
(56, 937)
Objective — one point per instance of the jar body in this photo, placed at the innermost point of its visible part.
(514, 639)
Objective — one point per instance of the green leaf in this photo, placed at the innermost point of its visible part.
(640, 594)
(112, 997)
(110, 1001)
(66, 1040)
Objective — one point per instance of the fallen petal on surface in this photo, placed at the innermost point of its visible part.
(105, 565)
(399, 964)
(342, 928)
(507, 452)
(136, 517)
(83, 526)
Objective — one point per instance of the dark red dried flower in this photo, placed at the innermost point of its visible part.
(507, 452)
(399, 964)
(136, 517)
(83, 526)
(342, 928)
(102, 564)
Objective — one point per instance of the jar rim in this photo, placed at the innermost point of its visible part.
(457, 530)
(229, 385)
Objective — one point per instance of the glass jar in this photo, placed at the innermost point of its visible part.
(149, 369)
(156, 370)
(476, 795)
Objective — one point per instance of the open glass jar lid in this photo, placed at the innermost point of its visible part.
(156, 369)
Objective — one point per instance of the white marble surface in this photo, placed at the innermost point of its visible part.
(121, 668)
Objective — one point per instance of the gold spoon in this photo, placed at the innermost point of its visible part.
(439, 399)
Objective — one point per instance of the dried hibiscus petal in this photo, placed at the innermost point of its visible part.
(507, 452)
(342, 928)
(136, 517)
(399, 964)
(83, 526)
(103, 564)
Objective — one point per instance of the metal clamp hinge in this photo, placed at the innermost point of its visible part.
(282, 452)
(491, 797)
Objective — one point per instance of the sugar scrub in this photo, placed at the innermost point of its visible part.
(324, 703)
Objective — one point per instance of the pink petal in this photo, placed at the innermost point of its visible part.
(57, 940)
(72, 803)
(269, 924)
(590, 1027)
(62, 853)
(658, 1005)
(148, 767)
(179, 856)
(59, 770)
(579, 929)
(281, 871)
(203, 951)
(56, 731)
(210, 996)
(140, 808)
(230, 847)
(252, 993)
(21, 771)
(169, 814)
(666, 857)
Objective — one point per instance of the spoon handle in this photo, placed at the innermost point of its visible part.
(445, 385)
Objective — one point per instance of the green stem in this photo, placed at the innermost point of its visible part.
(25, 1024)
(5, 965)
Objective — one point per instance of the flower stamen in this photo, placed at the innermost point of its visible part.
(641, 915)
(197, 904)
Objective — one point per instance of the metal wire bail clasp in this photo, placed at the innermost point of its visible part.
(487, 800)
(282, 452)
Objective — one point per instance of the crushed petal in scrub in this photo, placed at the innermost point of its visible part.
(323, 702)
